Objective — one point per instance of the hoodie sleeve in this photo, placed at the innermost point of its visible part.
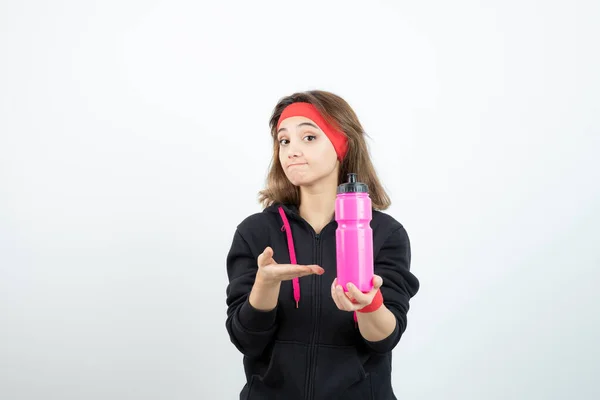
(392, 263)
(250, 330)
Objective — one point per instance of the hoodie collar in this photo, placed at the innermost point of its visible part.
(291, 210)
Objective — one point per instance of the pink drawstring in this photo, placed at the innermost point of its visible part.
(290, 242)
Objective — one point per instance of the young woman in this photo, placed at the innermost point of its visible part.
(302, 335)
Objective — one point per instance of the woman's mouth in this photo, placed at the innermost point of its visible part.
(296, 165)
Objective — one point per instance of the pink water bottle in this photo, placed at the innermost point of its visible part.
(354, 236)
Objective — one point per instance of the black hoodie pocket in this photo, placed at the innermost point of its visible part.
(340, 374)
(285, 375)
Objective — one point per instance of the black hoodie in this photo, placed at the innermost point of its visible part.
(314, 351)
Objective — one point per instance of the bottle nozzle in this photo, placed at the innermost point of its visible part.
(353, 185)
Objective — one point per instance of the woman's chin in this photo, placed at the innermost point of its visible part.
(301, 182)
(297, 182)
(298, 179)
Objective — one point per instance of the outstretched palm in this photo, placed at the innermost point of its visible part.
(272, 272)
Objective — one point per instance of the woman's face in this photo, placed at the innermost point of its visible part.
(306, 154)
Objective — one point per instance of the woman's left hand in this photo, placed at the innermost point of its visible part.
(354, 299)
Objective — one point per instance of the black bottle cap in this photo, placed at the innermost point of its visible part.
(352, 186)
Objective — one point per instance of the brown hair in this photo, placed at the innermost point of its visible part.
(337, 112)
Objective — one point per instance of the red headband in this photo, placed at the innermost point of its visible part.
(301, 109)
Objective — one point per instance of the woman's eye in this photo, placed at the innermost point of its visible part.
(283, 142)
(312, 137)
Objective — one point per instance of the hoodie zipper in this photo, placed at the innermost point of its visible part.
(316, 295)
(310, 370)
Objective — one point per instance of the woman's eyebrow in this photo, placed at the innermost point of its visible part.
(299, 125)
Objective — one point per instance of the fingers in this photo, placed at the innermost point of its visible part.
(297, 272)
(353, 299)
(359, 296)
(268, 251)
(266, 257)
(344, 302)
(284, 272)
(377, 282)
(340, 298)
(301, 269)
(317, 269)
(334, 295)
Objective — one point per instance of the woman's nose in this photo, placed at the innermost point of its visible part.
(293, 150)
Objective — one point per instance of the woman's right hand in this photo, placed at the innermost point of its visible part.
(271, 273)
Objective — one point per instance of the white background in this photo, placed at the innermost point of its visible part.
(134, 138)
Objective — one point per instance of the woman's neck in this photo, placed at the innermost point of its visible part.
(317, 205)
